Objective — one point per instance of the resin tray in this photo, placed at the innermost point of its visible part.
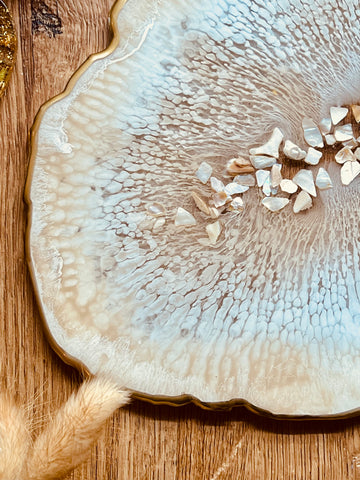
(268, 314)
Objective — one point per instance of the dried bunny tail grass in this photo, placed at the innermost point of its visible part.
(66, 440)
(15, 439)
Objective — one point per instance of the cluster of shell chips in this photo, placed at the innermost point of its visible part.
(264, 170)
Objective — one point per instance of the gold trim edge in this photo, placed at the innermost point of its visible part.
(173, 401)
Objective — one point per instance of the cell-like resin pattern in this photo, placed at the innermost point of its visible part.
(269, 312)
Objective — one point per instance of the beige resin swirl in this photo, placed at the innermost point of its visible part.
(269, 313)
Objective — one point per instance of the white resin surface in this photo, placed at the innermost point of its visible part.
(271, 312)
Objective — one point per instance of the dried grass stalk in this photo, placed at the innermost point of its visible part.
(66, 440)
(14, 439)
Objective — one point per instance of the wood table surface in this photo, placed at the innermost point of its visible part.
(140, 441)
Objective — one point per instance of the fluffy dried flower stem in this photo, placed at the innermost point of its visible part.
(14, 439)
(66, 440)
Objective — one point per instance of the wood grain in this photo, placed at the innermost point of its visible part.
(141, 441)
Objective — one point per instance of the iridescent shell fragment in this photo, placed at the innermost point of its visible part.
(156, 209)
(261, 177)
(349, 171)
(217, 185)
(356, 112)
(345, 155)
(343, 133)
(275, 204)
(247, 180)
(204, 172)
(293, 151)
(184, 218)
(325, 126)
(330, 139)
(323, 180)
(313, 156)
(262, 161)
(303, 202)
(312, 133)
(271, 147)
(338, 114)
(237, 204)
(275, 175)
(213, 230)
(201, 203)
(288, 186)
(234, 188)
(305, 180)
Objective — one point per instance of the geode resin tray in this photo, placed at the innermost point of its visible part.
(164, 251)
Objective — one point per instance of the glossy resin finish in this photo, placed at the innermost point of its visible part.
(270, 312)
